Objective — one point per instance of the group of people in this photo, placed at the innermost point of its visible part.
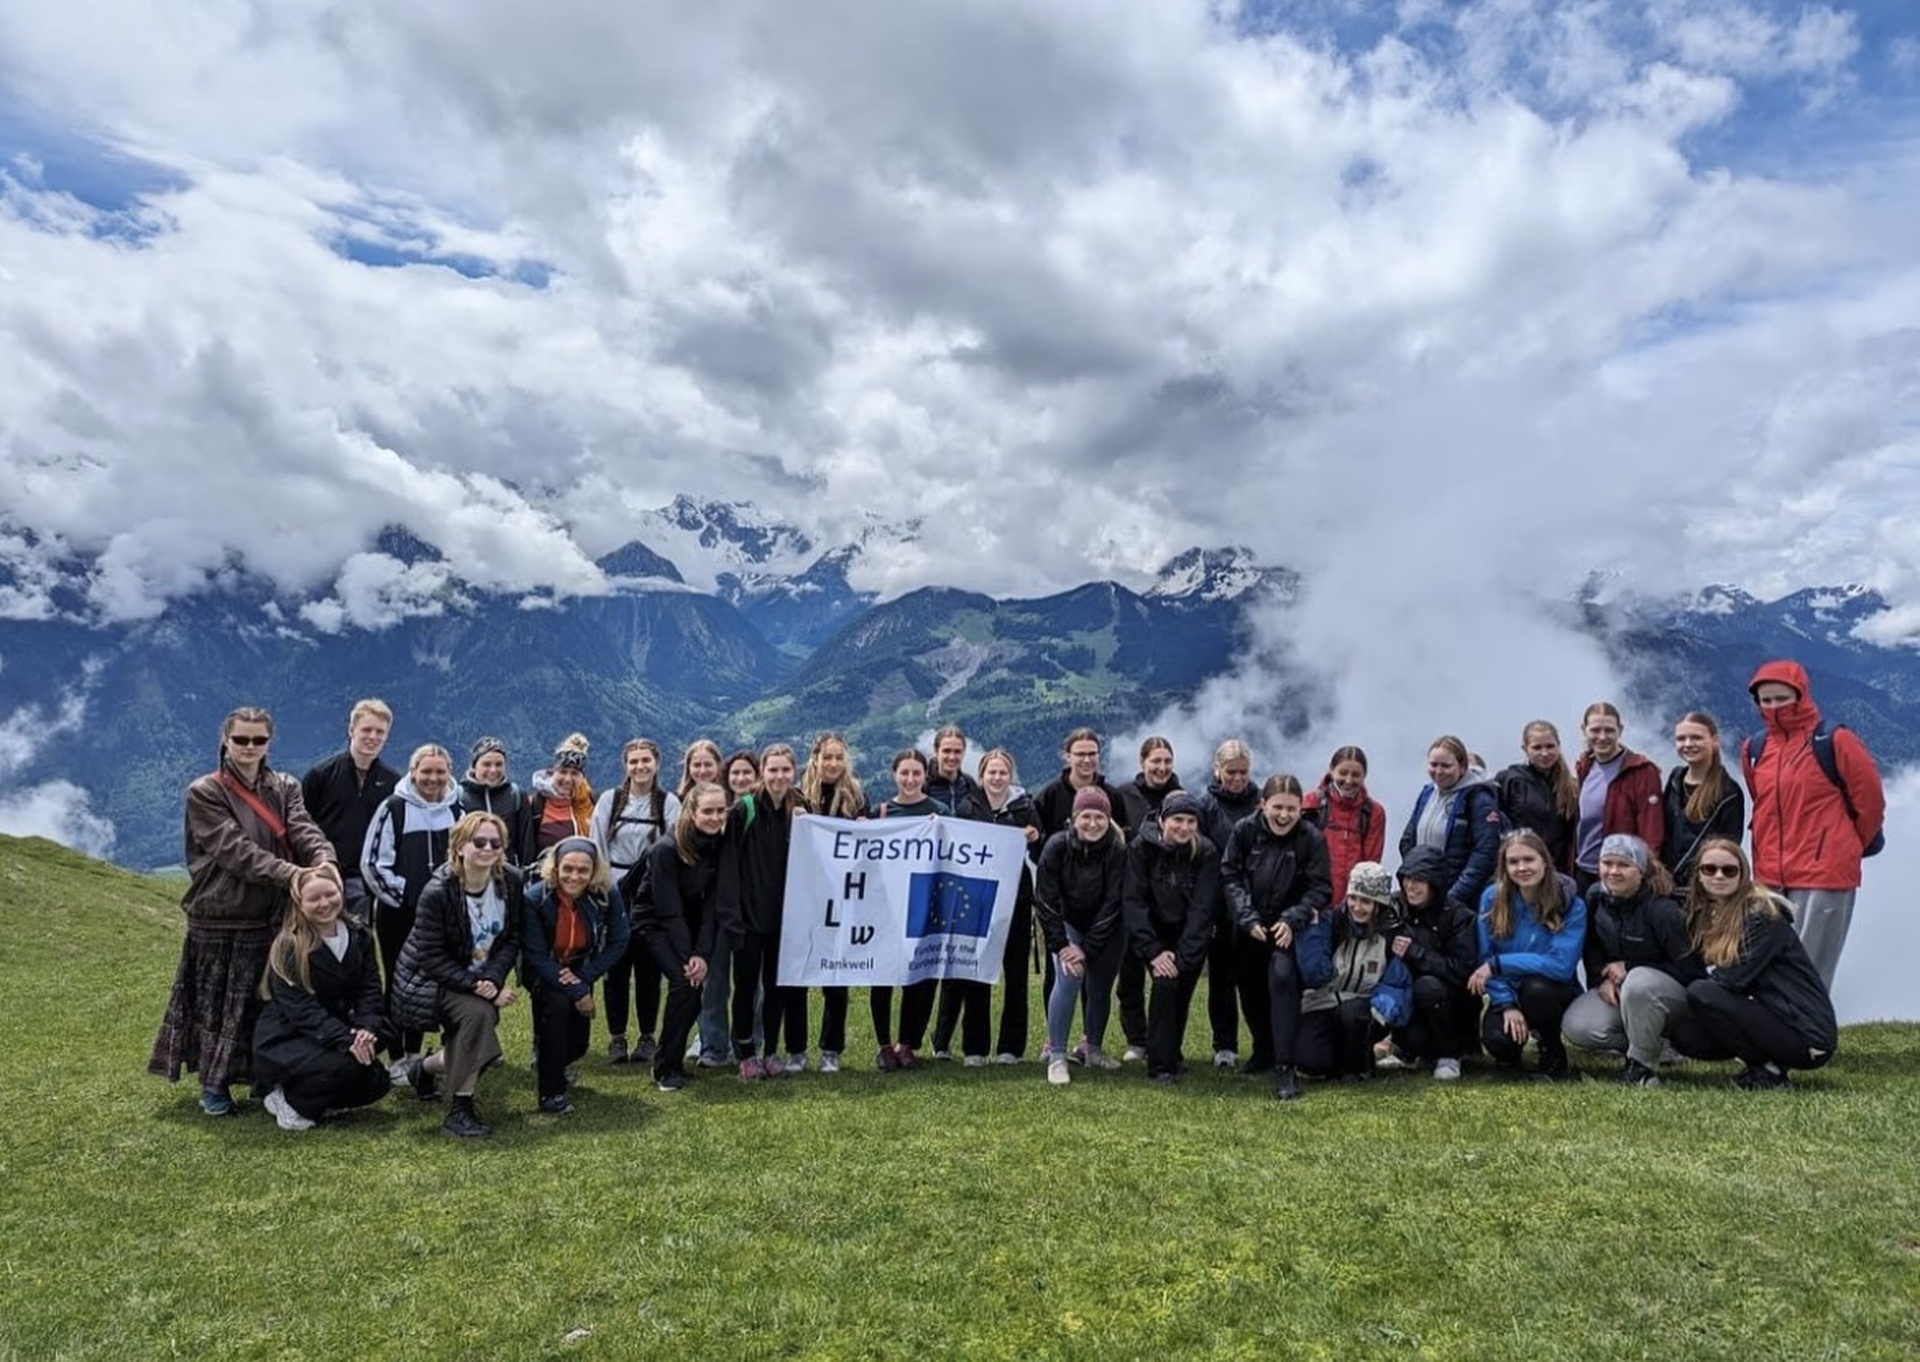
(335, 922)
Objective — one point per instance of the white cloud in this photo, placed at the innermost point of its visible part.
(58, 811)
(1873, 983)
(1077, 286)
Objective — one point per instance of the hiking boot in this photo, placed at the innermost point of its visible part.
(644, 1052)
(1286, 1087)
(284, 1115)
(463, 1121)
(886, 1059)
(672, 1082)
(1638, 1075)
(617, 1050)
(425, 1084)
(1057, 1073)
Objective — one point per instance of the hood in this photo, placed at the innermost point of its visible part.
(542, 783)
(1426, 863)
(1173, 783)
(1799, 718)
(483, 794)
(407, 792)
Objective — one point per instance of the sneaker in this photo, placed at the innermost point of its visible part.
(1225, 1059)
(217, 1102)
(646, 1050)
(1761, 1078)
(752, 1070)
(1638, 1075)
(463, 1121)
(617, 1050)
(904, 1057)
(425, 1084)
(284, 1115)
(1078, 1054)
(397, 1071)
(886, 1059)
(829, 1061)
(1057, 1072)
(795, 1063)
(1670, 1057)
(1554, 1071)
(1164, 1080)
(1134, 1054)
(557, 1105)
(712, 1061)
(944, 1056)
(1286, 1087)
(1097, 1058)
(975, 1061)
(672, 1082)
(1446, 1070)
(1006, 1057)
(694, 1054)
(1390, 1058)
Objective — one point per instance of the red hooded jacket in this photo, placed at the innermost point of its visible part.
(1341, 824)
(1802, 836)
(1636, 800)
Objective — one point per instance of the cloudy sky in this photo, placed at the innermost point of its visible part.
(1618, 285)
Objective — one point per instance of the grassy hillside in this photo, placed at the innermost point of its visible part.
(971, 1213)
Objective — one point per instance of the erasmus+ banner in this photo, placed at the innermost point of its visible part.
(898, 901)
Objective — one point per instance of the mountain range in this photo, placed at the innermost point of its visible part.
(723, 621)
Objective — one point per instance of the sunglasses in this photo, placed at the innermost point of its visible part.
(247, 740)
(485, 843)
(1718, 871)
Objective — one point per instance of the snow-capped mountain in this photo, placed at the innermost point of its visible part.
(1224, 574)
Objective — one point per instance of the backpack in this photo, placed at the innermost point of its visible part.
(1319, 813)
(1822, 744)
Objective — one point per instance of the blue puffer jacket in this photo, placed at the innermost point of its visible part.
(1475, 825)
(1530, 948)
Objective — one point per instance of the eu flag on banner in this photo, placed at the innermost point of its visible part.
(944, 904)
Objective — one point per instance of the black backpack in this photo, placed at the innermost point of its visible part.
(1822, 744)
(1319, 813)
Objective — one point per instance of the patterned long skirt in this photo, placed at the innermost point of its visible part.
(208, 1028)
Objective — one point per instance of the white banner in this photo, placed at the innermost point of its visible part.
(898, 900)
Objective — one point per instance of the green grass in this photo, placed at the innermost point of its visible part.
(948, 1213)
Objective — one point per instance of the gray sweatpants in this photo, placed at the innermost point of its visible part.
(1822, 917)
(1650, 1000)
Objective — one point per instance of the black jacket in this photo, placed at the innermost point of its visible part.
(1773, 970)
(1171, 898)
(953, 793)
(676, 917)
(1080, 885)
(438, 954)
(1728, 819)
(1054, 804)
(1219, 811)
(1444, 944)
(1268, 878)
(343, 806)
(502, 801)
(1526, 797)
(752, 885)
(1642, 931)
(297, 1025)
(608, 931)
(1142, 802)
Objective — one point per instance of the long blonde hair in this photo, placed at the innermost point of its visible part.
(1717, 926)
(297, 939)
(1503, 915)
(1566, 790)
(849, 799)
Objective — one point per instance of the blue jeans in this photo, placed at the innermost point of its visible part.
(716, 1014)
(1096, 982)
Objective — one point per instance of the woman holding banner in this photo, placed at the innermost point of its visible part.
(910, 800)
(829, 788)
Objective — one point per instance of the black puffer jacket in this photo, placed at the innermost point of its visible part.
(1526, 797)
(1684, 836)
(1079, 885)
(675, 915)
(1443, 943)
(438, 954)
(1642, 930)
(1270, 878)
(1773, 970)
(1171, 899)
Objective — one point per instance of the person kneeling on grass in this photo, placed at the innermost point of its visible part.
(453, 969)
(1763, 999)
(573, 931)
(325, 1015)
(1531, 928)
(1336, 1019)
(1172, 889)
(1434, 937)
(1639, 962)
